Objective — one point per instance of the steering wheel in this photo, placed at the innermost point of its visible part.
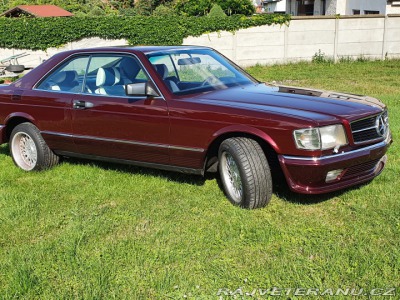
(210, 80)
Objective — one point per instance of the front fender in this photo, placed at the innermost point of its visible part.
(245, 129)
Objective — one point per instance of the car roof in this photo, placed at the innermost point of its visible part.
(148, 49)
(142, 49)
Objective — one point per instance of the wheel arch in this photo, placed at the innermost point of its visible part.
(268, 145)
(14, 120)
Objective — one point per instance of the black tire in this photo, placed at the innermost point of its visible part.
(28, 149)
(245, 173)
(15, 68)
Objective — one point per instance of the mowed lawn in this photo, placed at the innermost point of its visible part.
(87, 230)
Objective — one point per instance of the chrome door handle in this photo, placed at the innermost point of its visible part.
(77, 104)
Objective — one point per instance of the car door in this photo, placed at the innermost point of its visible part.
(51, 100)
(108, 124)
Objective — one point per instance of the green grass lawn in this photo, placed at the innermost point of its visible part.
(87, 230)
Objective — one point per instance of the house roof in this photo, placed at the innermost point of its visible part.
(38, 11)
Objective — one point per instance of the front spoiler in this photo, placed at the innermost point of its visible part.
(307, 175)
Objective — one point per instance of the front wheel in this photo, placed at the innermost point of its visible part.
(245, 173)
(28, 149)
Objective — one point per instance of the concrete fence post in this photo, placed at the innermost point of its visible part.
(336, 41)
(384, 40)
(285, 43)
(234, 46)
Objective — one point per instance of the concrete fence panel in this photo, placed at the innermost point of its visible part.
(373, 36)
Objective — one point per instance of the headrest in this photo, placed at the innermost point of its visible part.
(65, 76)
(129, 67)
(107, 76)
(162, 70)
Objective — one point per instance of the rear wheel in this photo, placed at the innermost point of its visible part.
(245, 173)
(28, 149)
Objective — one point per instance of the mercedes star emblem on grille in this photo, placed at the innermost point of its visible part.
(381, 125)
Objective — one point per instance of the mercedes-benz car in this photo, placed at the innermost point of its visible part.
(191, 110)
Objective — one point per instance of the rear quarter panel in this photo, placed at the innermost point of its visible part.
(5, 96)
(47, 111)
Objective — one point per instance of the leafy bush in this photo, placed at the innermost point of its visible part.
(320, 57)
(43, 33)
(216, 12)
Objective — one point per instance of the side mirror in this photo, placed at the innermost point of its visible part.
(145, 89)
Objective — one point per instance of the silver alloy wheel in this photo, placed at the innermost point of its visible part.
(24, 151)
(231, 177)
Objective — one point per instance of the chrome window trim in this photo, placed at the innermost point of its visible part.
(87, 137)
(100, 95)
(322, 158)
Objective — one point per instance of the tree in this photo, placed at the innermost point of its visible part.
(216, 12)
(157, 3)
(203, 7)
(164, 10)
(144, 7)
(193, 7)
(232, 7)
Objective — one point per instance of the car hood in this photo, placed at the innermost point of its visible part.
(317, 105)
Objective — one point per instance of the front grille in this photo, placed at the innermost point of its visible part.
(362, 124)
(370, 129)
(360, 169)
(366, 135)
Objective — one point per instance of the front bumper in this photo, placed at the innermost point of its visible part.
(307, 175)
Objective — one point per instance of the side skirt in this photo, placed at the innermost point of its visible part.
(134, 163)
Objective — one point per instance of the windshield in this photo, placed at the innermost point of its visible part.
(197, 70)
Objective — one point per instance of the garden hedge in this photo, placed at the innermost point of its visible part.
(43, 33)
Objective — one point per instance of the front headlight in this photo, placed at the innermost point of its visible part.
(320, 138)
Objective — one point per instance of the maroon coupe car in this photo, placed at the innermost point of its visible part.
(191, 110)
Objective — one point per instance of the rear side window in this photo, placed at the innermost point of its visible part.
(101, 74)
(68, 77)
